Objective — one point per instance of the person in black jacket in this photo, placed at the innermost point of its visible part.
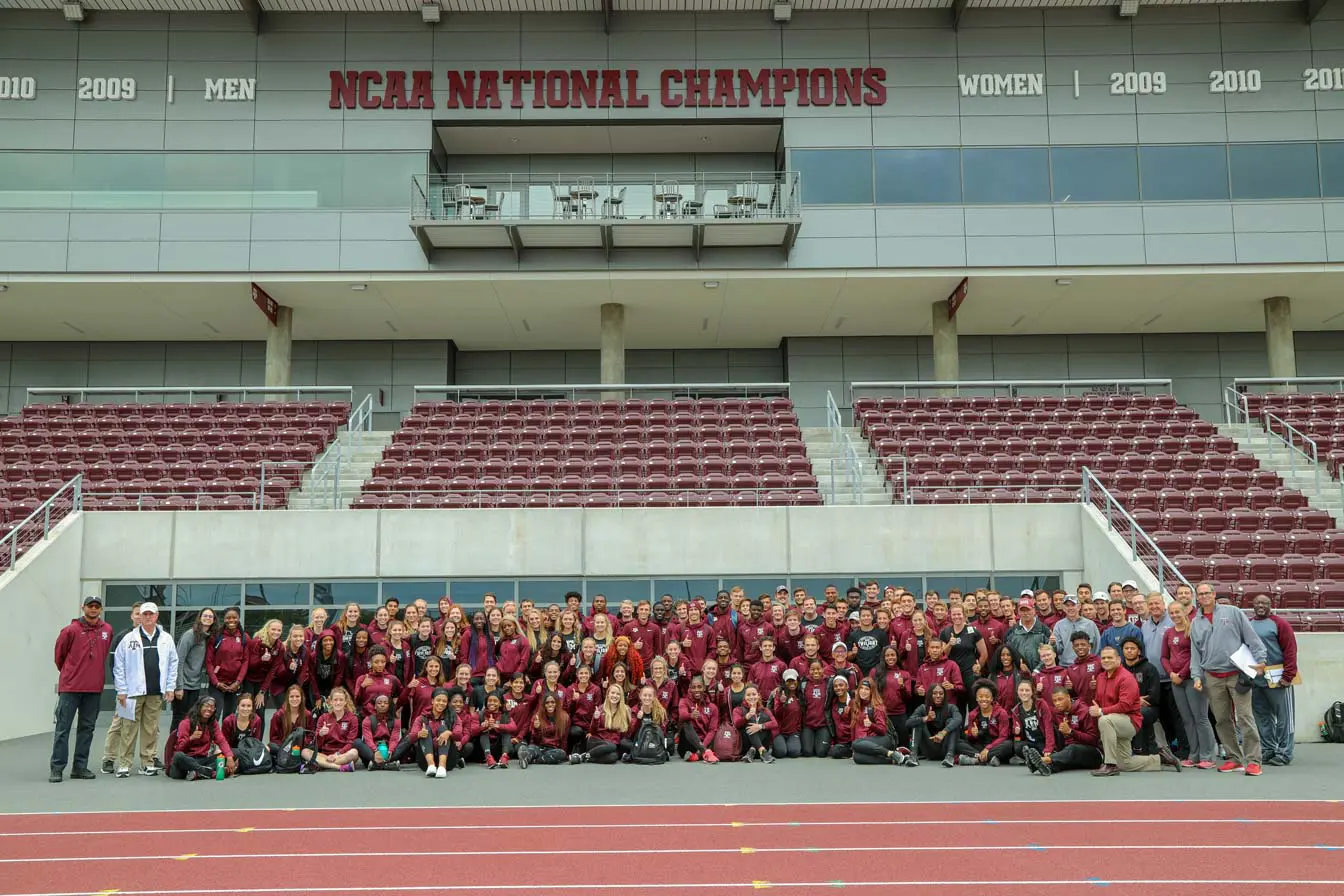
(936, 725)
(1150, 692)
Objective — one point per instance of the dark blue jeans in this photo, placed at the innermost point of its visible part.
(66, 707)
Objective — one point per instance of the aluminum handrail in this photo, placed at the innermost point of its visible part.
(1337, 381)
(213, 392)
(552, 495)
(1140, 542)
(1236, 408)
(361, 417)
(1309, 452)
(554, 391)
(981, 494)
(853, 467)
(17, 540)
(834, 422)
(905, 387)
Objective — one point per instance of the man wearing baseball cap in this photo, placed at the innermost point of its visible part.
(144, 670)
(1028, 634)
(81, 661)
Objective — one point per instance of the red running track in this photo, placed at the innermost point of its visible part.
(1213, 848)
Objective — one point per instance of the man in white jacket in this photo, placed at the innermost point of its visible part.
(144, 671)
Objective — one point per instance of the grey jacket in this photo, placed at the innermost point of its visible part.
(191, 662)
(1212, 644)
(1064, 631)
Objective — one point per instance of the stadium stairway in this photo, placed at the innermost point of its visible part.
(1323, 492)
(359, 452)
(828, 464)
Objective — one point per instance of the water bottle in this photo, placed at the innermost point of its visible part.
(219, 768)
(382, 750)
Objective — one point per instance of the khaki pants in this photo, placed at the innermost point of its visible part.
(1233, 714)
(146, 727)
(1117, 731)
(112, 745)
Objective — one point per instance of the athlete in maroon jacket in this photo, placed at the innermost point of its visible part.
(987, 736)
(699, 720)
(645, 635)
(81, 654)
(1077, 743)
(938, 670)
(768, 672)
(198, 737)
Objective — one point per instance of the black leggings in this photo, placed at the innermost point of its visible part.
(428, 751)
(1075, 756)
(607, 753)
(927, 748)
(369, 752)
(225, 703)
(182, 764)
(690, 741)
(815, 742)
(788, 746)
(544, 755)
(180, 709)
(1002, 752)
(761, 740)
(577, 737)
(497, 745)
(874, 750)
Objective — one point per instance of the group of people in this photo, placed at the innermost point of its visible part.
(1110, 682)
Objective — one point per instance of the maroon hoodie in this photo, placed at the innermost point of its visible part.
(539, 691)
(226, 658)
(1176, 653)
(229, 728)
(375, 729)
(371, 687)
(985, 733)
(723, 628)
(520, 714)
(1046, 680)
(341, 733)
(697, 644)
(668, 695)
(503, 721)
(749, 637)
(944, 672)
(742, 718)
(418, 697)
(647, 632)
(197, 742)
(581, 704)
(599, 729)
(428, 724)
(260, 660)
(81, 656)
(288, 668)
(814, 702)
(767, 676)
(1045, 720)
(872, 722)
(1082, 728)
(1083, 674)
(801, 663)
(703, 716)
(788, 646)
(277, 731)
(788, 711)
(466, 727)
(513, 656)
(546, 733)
(896, 689)
(844, 732)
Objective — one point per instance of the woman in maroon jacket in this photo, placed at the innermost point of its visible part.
(433, 734)
(733, 692)
(377, 681)
(1033, 723)
(290, 715)
(786, 704)
(245, 720)
(699, 720)
(547, 683)
(198, 737)
(262, 652)
(582, 700)
(548, 732)
(678, 668)
(381, 745)
(620, 677)
(478, 648)
(461, 681)
(400, 655)
(842, 731)
(894, 686)
(497, 730)
(913, 643)
(757, 725)
(325, 668)
(987, 736)
(552, 651)
(1007, 676)
(357, 659)
(665, 689)
(816, 733)
(337, 730)
(622, 651)
(609, 734)
(378, 629)
(466, 726)
(513, 654)
(420, 689)
(346, 626)
(226, 661)
(289, 666)
(873, 743)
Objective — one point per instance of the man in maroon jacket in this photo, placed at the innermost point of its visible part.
(81, 659)
(1116, 709)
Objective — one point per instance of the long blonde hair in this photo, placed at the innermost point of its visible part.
(609, 638)
(620, 719)
(263, 632)
(659, 713)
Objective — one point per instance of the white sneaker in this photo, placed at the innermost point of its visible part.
(123, 772)
(441, 773)
(431, 772)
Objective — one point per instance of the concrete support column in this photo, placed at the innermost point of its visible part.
(1279, 339)
(279, 343)
(946, 356)
(612, 346)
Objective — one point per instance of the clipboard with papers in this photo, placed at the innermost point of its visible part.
(126, 712)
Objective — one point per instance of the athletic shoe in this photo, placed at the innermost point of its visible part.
(348, 767)
(1046, 770)
(108, 766)
(692, 757)
(522, 757)
(56, 776)
(149, 771)
(1204, 764)
(1230, 765)
(1272, 760)
(911, 761)
(1253, 769)
(575, 759)
(994, 762)
(1106, 771)
(489, 761)
(504, 761)
(769, 758)
(155, 763)
(82, 774)
(441, 773)
(461, 763)
(307, 769)
(710, 757)
(948, 762)
(748, 757)
(1187, 763)
(431, 772)
(1033, 757)
(192, 775)
(904, 751)
(374, 766)
(967, 760)
(1168, 758)
(123, 772)
(392, 765)
(626, 758)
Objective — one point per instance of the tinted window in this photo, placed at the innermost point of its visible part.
(1006, 175)
(219, 596)
(1274, 171)
(548, 591)
(681, 589)
(918, 176)
(407, 592)
(1094, 173)
(835, 176)
(290, 594)
(341, 593)
(1332, 169)
(1174, 173)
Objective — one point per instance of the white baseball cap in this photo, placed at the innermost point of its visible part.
(1131, 585)
(149, 607)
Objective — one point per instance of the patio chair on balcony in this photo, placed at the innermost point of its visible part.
(668, 197)
(614, 206)
(563, 204)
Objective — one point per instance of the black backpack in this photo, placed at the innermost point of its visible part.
(1332, 729)
(650, 744)
(286, 759)
(252, 756)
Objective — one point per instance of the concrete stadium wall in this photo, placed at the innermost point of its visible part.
(1320, 659)
(43, 595)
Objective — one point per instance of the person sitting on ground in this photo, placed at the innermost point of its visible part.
(199, 738)
(936, 723)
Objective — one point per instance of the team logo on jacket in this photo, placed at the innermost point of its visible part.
(1175, 642)
(104, 634)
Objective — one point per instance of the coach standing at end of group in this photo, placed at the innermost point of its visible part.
(144, 670)
(81, 660)
(1216, 632)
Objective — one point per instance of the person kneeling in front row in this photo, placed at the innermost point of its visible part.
(1116, 708)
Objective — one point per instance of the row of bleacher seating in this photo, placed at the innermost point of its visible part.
(106, 413)
(518, 499)
(582, 466)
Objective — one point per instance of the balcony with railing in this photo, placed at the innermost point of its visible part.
(541, 211)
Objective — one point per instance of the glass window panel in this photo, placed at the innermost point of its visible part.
(1006, 175)
(1175, 173)
(917, 176)
(24, 171)
(909, 581)
(684, 589)
(379, 180)
(255, 617)
(470, 593)
(816, 587)
(406, 592)
(1332, 169)
(185, 619)
(617, 590)
(341, 593)
(1012, 585)
(300, 180)
(942, 584)
(754, 587)
(287, 594)
(547, 591)
(124, 595)
(834, 176)
(219, 595)
(118, 171)
(1274, 171)
(1095, 173)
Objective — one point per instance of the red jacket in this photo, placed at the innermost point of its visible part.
(277, 732)
(986, 733)
(229, 728)
(288, 668)
(375, 729)
(1005, 686)
(427, 724)
(341, 734)
(1045, 717)
(1082, 727)
(749, 637)
(599, 729)
(81, 656)
(944, 672)
(763, 716)
(418, 697)
(547, 734)
(650, 634)
(467, 727)
(723, 628)
(1118, 692)
(668, 695)
(787, 711)
(767, 676)
(260, 660)
(703, 716)
(226, 657)
(788, 646)
(697, 643)
(514, 655)
(197, 742)
(1176, 653)
(1083, 675)
(1046, 680)
(872, 723)
(896, 689)
(581, 704)
(371, 687)
(814, 700)
(843, 732)
(502, 720)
